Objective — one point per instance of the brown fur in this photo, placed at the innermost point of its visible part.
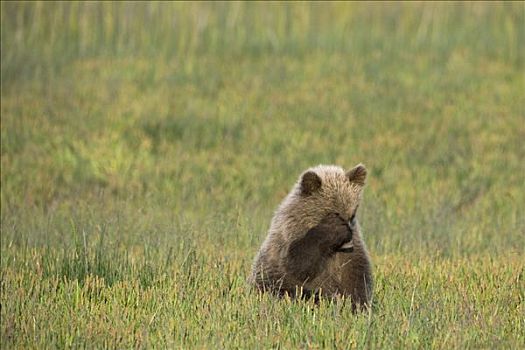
(302, 252)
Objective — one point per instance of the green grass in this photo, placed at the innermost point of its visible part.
(144, 147)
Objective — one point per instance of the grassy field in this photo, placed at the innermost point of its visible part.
(144, 147)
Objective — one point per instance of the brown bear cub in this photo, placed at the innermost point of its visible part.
(314, 246)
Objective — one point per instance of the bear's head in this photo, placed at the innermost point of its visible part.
(321, 191)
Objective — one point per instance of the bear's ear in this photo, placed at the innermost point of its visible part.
(310, 182)
(357, 174)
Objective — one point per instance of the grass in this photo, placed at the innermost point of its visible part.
(144, 147)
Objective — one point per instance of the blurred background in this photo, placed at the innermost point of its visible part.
(204, 114)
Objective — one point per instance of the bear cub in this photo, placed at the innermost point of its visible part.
(314, 246)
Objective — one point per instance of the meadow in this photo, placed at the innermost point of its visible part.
(145, 146)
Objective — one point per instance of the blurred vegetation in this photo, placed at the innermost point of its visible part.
(40, 38)
(145, 145)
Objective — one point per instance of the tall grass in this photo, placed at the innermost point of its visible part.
(38, 37)
(145, 145)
